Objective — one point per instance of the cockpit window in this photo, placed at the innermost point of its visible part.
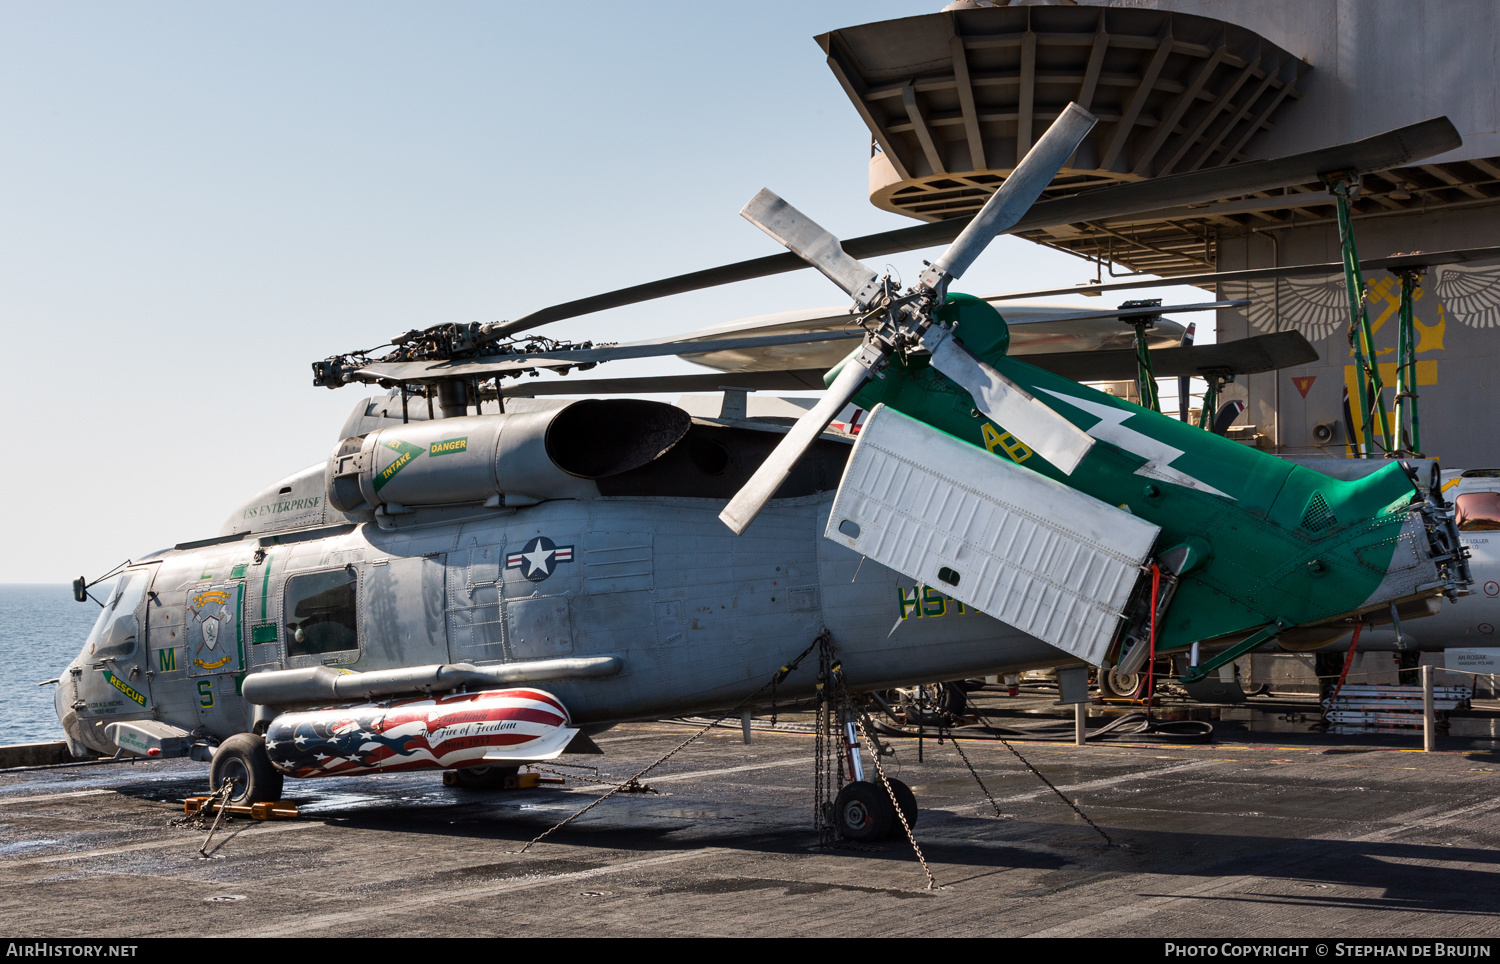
(320, 613)
(116, 630)
(1477, 511)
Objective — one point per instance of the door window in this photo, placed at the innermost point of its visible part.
(320, 613)
(1477, 511)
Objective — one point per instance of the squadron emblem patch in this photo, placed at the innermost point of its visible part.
(210, 611)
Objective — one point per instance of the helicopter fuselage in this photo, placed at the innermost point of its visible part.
(696, 617)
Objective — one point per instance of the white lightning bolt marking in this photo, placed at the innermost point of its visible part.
(1158, 454)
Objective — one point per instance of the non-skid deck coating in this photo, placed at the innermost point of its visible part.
(1290, 833)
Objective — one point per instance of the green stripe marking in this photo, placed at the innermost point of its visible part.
(265, 587)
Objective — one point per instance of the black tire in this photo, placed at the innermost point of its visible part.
(863, 811)
(484, 778)
(951, 700)
(242, 758)
(908, 802)
(932, 704)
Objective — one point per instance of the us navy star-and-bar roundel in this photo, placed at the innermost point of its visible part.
(539, 559)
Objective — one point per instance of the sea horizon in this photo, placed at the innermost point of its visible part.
(41, 629)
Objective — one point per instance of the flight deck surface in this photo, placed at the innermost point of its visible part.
(1276, 830)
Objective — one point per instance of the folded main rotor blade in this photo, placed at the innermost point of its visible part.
(753, 496)
(790, 380)
(1016, 196)
(1162, 310)
(810, 242)
(426, 371)
(1378, 153)
(1397, 262)
(1381, 152)
(1009, 405)
(772, 264)
(1246, 356)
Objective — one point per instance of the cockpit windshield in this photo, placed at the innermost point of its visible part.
(115, 631)
(1477, 511)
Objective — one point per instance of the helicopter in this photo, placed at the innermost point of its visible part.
(468, 590)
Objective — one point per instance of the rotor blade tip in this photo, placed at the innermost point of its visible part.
(733, 522)
(765, 196)
(1083, 112)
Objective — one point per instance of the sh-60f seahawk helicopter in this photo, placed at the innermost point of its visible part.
(469, 592)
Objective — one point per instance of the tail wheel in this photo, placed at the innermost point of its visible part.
(1128, 686)
(1121, 685)
(242, 760)
(863, 811)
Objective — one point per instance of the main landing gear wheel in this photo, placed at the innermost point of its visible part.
(932, 704)
(480, 778)
(950, 700)
(908, 802)
(863, 811)
(242, 759)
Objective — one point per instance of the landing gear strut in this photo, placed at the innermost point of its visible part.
(862, 809)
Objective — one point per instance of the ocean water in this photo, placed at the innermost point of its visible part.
(41, 630)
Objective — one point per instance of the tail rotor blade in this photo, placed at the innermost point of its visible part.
(1009, 405)
(1184, 382)
(753, 496)
(1228, 412)
(1016, 196)
(810, 242)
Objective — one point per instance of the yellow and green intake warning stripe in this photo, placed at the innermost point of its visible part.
(405, 452)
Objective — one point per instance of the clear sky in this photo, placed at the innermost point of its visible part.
(201, 199)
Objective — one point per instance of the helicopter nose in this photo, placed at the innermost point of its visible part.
(84, 734)
(63, 698)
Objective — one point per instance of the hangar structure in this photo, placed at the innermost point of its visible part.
(953, 98)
